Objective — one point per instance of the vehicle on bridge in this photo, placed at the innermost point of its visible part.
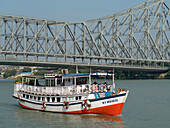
(78, 93)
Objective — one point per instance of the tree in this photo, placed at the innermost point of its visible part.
(40, 73)
(26, 69)
(9, 73)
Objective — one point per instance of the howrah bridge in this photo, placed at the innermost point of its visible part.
(137, 38)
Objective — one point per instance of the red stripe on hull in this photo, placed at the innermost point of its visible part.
(106, 110)
(26, 106)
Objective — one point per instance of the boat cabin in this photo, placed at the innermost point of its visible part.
(56, 87)
(56, 80)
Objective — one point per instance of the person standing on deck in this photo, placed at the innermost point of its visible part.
(94, 87)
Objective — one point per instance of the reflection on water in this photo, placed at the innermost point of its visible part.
(68, 120)
(147, 106)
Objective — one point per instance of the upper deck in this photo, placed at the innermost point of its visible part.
(62, 84)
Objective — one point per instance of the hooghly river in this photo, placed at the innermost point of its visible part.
(147, 106)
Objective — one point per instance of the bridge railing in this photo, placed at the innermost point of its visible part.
(139, 65)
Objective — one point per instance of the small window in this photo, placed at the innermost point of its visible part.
(59, 81)
(34, 97)
(46, 82)
(73, 81)
(77, 97)
(53, 99)
(48, 99)
(24, 95)
(39, 98)
(52, 83)
(30, 97)
(71, 98)
(27, 96)
(42, 98)
(58, 99)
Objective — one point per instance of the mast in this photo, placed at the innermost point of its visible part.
(90, 79)
(75, 76)
(113, 82)
(77, 69)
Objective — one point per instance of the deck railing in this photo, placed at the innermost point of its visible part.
(61, 90)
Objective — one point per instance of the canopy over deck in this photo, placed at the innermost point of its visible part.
(33, 77)
(76, 75)
(101, 74)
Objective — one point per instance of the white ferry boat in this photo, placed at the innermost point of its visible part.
(77, 93)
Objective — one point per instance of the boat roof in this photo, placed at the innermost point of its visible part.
(101, 74)
(33, 77)
(78, 75)
(67, 75)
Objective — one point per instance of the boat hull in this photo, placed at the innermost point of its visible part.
(111, 105)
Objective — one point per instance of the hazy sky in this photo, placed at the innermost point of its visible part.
(66, 10)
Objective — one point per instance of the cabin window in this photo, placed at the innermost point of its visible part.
(59, 81)
(64, 99)
(80, 81)
(46, 82)
(30, 97)
(24, 95)
(34, 97)
(58, 99)
(73, 81)
(39, 98)
(42, 98)
(52, 83)
(31, 82)
(77, 97)
(27, 96)
(53, 99)
(48, 99)
(71, 98)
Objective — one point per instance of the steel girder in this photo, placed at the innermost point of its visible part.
(139, 35)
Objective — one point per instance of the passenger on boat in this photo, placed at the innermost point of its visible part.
(37, 83)
(31, 82)
(104, 86)
(94, 87)
(108, 88)
(62, 83)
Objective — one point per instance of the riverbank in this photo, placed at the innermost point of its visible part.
(119, 75)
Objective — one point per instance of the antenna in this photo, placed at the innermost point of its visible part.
(113, 82)
(77, 69)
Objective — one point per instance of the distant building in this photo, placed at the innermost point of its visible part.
(21, 68)
(26, 74)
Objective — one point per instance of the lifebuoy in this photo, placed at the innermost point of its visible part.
(66, 104)
(43, 105)
(86, 104)
(19, 97)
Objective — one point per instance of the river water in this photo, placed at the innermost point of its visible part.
(148, 105)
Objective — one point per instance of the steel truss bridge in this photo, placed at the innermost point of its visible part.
(137, 38)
